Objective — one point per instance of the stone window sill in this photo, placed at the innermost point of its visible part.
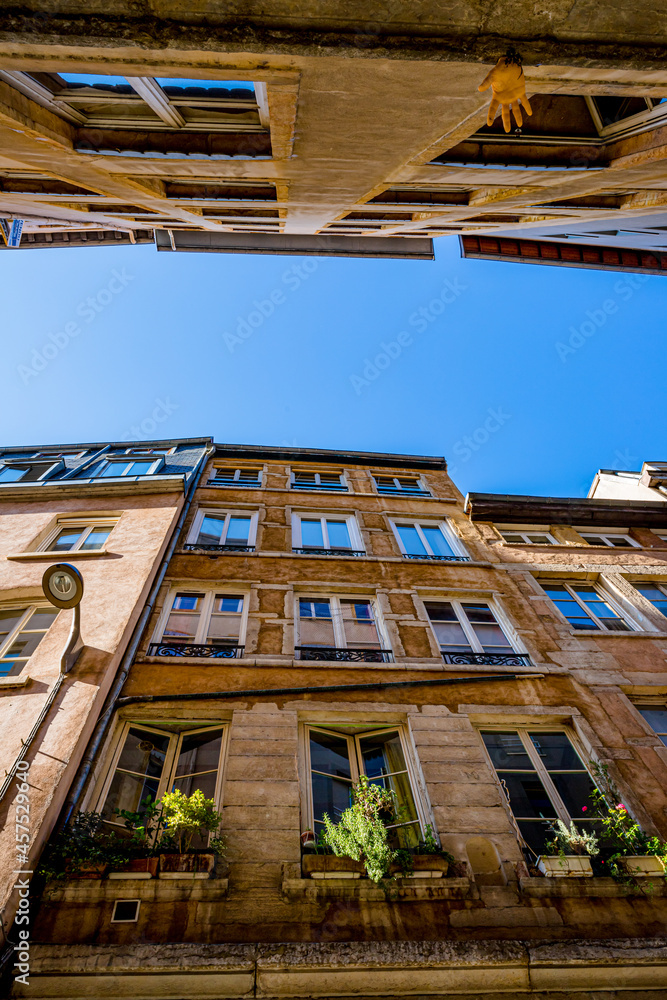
(63, 556)
(599, 634)
(14, 682)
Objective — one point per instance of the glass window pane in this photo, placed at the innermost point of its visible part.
(574, 790)
(479, 613)
(9, 619)
(441, 612)
(358, 624)
(656, 718)
(412, 543)
(653, 594)
(238, 531)
(528, 797)
(437, 541)
(339, 536)
(144, 752)
(511, 536)
(507, 751)
(128, 792)
(193, 782)
(492, 638)
(66, 540)
(330, 753)
(199, 752)
(228, 604)
(210, 532)
(311, 533)
(593, 539)
(556, 752)
(382, 754)
(9, 475)
(181, 624)
(111, 470)
(139, 468)
(25, 644)
(539, 540)
(96, 539)
(40, 620)
(536, 834)
(331, 796)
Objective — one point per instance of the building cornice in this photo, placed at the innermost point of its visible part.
(365, 458)
(509, 509)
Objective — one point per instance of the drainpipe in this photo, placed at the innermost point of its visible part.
(85, 768)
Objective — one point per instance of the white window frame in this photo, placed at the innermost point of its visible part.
(349, 519)
(236, 476)
(450, 536)
(399, 490)
(125, 463)
(606, 534)
(339, 729)
(26, 466)
(525, 531)
(210, 593)
(73, 524)
(30, 610)
(606, 597)
(176, 741)
(515, 646)
(221, 513)
(317, 485)
(337, 618)
(638, 122)
(119, 920)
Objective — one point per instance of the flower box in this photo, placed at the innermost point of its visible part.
(643, 865)
(567, 866)
(137, 868)
(96, 870)
(425, 866)
(192, 866)
(329, 866)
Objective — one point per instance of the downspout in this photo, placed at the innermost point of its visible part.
(85, 767)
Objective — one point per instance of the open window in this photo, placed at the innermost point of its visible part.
(337, 758)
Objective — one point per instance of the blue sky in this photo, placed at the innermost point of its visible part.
(527, 378)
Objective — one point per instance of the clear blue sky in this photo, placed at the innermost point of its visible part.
(177, 346)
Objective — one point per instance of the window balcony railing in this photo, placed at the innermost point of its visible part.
(488, 659)
(334, 487)
(312, 551)
(218, 481)
(407, 555)
(205, 650)
(348, 654)
(405, 491)
(200, 547)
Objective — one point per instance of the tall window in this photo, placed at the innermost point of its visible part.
(319, 481)
(237, 477)
(327, 535)
(656, 593)
(469, 632)
(153, 760)
(78, 536)
(337, 628)
(202, 624)
(657, 720)
(21, 631)
(585, 607)
(336, 762)
(409, 485)
(422, 540)
(611, 540)
(543, 777)
(232, 530)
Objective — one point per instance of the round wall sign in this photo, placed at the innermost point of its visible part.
(63, 585)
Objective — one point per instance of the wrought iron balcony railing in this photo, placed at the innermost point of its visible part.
(489, 659)
(199, 547)
(407, 555)
(405, 492)
(350, 654)
(311, 551)
(204, 650)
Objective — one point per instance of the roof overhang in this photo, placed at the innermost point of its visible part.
(508, 509)
(384, 459)
(298, 244)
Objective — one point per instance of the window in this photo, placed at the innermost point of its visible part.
(657, 720)
(231, 530)
(319, 535)
(613, 540)
(527, 537)
(543, 777)
(78, 536)
(10, 474)
(237, 477)
(336, 760)
(408, 485)
(585, 607)
(21, 631)
(655, 593)
(337, 628)
(116, 468)
(202, 624)
(428, 541)
(152, 760)
(469, 632)
(319, 481)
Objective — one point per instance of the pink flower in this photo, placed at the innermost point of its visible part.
(620, 806)
(584, 808)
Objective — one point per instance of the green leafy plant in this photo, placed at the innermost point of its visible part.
(83, 842)
(185, 817)
(361, 834)
(571, 840)
(429, 845)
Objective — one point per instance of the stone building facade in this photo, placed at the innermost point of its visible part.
(108, 509)
(330, 614)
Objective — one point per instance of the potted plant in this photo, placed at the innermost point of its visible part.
(183, 818)
(361, 834)
(428, 859)
(570, 852)
(143, 827)
(84, 849)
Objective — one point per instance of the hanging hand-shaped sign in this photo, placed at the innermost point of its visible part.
(508, 85)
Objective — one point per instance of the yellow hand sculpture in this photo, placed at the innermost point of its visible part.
(508, 85)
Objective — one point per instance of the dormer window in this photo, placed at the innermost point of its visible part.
(116, 468)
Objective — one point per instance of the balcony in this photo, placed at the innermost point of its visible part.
(488, 659)
(203, 650)
(407, 555)
(343, 655)
(200, 547)
(312, 551)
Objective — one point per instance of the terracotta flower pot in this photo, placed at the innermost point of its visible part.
(137, 868)
(92, 870)
(198, 866)
(329, 866)
(568, 866)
